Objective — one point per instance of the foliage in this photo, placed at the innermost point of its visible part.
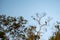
(57, 34)
(16, 29)
(12, 27)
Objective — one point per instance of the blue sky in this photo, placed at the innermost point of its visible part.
(27, 8)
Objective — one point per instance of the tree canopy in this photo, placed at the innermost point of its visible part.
(15, 28)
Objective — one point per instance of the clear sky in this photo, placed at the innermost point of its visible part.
(27, 8)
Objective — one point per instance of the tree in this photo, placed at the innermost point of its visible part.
(57, 33)
(38, 19)
(16, 29)
(12, 26)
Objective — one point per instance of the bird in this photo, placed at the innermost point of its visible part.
(46, 22)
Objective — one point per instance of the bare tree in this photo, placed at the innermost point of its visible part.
(38, 19)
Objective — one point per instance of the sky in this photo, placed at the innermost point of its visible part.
(28, 8)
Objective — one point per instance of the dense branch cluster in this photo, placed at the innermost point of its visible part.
(11, 25)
